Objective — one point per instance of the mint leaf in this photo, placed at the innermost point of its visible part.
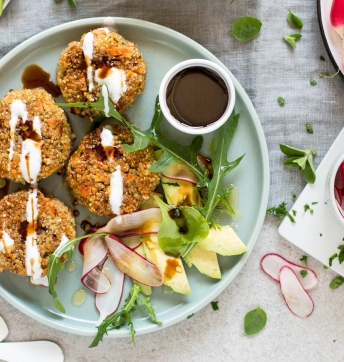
(280, 101)
(309, 128)
(254, 321)
(312, 82)
(337, 282)
(292, 39)
(294, 20)
(214, 305)
(303, 273)
(246, 28)
(304, 259)
(322, 58)
(331, 258)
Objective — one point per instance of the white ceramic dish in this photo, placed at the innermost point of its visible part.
(318, 234)
(162, 48)
(331, 38)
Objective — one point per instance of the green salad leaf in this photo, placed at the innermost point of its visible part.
(55, 265)
(180, 226)
(246, 28)
(254, 321)
(294, 20)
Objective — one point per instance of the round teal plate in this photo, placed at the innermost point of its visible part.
(162, 48)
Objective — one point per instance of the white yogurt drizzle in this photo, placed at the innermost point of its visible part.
(31, 157)
(116, 181)
(18, 109)
(6, 244)
(115, 81)
(106, 100)
(32, 257)
(87, 48)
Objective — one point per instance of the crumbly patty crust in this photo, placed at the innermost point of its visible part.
(56, 133)
(54, 220)
(109, 49)
(89, 173)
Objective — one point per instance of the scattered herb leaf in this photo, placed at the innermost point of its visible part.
(301, 159)
(280, 101)
(215, 305)
(331, 258)
(309, 128)
(246, 28)
(191, 315)
(254, 321)
(322, 58)
(337, 282)
(294, 197)
(294, 20)
(294, 212)
(324, 74)
(312, 82)
(320, 234)
(306, 207)
(304, 259)
(292, 39)
(315, 203)
(303, 273)
(280, 212)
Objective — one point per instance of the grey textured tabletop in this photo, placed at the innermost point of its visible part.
(267, 68)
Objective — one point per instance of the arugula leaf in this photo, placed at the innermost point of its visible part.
(303, 273)
(309, 128)
(214, 305)
(55, 265)
(312, 82)
(118, 319)
(302, 159)
(337, 282)
(280, 101)
(280, 212)
(292, 39)
(254, 321)
(294, 20)
(246, 28)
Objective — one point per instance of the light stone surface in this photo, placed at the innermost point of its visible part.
(267, 68)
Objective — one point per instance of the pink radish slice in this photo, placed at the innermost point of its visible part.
(96, 281)
(95, 250)
(140, 222)
(108, 303)
(179, 171)
(341, 170)
(133, 264)
(338, 195)
(341, 211)
(338, 181)
(337, 16)
(297, 299)
(131, 241)
(272, 263)
(84, 240)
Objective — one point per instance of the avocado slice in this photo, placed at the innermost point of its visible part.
(205, 261)
(223, 241)
(173, 269)
(179, 192)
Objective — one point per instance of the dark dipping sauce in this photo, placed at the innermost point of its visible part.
(197, 97)
(34, 77)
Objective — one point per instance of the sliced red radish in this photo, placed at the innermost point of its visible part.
(96, 281)
(272, 263)
(297, 299)
(140, 222)
(108, 303)
(133, 264)
(179, 171)
(338, 195)
(84, 240)
(341, 211)
(132, 241)
(95, 250)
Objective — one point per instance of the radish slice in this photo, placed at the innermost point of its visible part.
(140, 222)
(271, 264)
(95, 250)
(341, 211)
(133, 264)
(179, 171)
(338, 195)
(132, 242)
(96, 281)
(297, 299)
(84, 240)
(108, 303)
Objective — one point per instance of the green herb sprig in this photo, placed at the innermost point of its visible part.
(246, 28)
(214, 305)
(55, 265)
(301, 159)
(254, 321)
(280, 212)
(280, 101)
(292, 39)
(119, 319)
(336, 282)
(294, 20)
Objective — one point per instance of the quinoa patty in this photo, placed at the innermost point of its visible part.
(53, 223)
(110, 50)
(53, 138)
(90, 171)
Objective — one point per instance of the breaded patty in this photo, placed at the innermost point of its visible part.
(49, 223)
(35, 136)
(105, 178)
(101, 55)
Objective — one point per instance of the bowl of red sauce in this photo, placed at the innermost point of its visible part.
(197, 96)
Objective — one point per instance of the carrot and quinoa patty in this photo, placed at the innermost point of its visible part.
(105, 178)
(35, 136)
(32, 226)
(102, 57)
